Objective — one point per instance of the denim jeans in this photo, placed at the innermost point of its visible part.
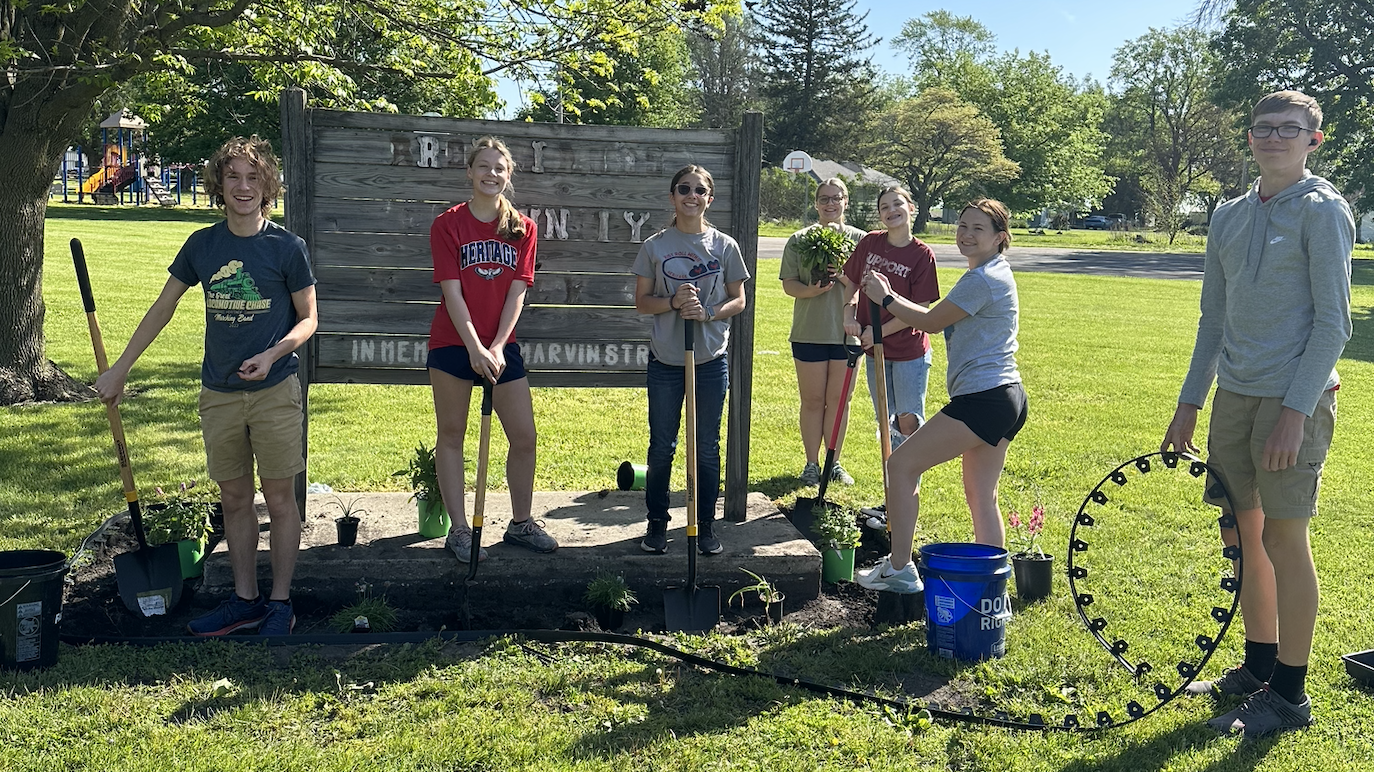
(667, 391)
(906, 387)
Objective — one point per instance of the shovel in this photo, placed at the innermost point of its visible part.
(149, 578)
(691, 608)
(479, 499)
(803, 514)
(893, 607)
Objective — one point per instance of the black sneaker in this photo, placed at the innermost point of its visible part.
(656, 539)
(707, 543)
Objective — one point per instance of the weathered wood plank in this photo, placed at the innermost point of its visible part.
(749, 162)
(584, 156)
(404, 284)
(411, 351)
(538, 379)
(400, 183)
(579, 223)
(298, 160)
(536, 322)
(394, 250)
(470, 127)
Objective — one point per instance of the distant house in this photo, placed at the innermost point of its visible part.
(824, 170)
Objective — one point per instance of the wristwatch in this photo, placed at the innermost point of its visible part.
(887, 299)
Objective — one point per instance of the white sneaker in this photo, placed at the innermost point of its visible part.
(882, 577)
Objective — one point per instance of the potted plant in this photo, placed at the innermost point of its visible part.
(609, 598)
(767, 593)
(347, 522)
(823, 252)
(1032, 568)
(424, 481)
(180, 517)
(837, 534)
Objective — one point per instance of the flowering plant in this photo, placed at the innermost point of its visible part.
(1025, 535)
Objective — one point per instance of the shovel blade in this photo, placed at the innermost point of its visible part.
(691, 609)
(149, 579)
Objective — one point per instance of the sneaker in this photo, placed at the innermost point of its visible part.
(811, 474)
(461, 544)
(280, 619)
(1262, 713)
(530, 535)
(1236, 682)
(656, 539)
(229, 616)
(877, 517)
(883, 577)
(839, 475)
(707, 543)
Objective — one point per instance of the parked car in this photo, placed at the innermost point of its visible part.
(1117, 221)
(1096, 222)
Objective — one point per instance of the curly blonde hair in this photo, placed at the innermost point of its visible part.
(256, 151)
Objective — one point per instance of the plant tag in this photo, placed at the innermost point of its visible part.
(152, 603)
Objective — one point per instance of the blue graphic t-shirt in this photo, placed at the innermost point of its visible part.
(248, 282)
(709, 260)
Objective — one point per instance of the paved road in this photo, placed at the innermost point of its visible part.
(1154, 265)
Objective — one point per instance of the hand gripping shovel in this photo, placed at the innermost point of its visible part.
(804, 514)
(479, 499)
(691, 608)
(149, 578)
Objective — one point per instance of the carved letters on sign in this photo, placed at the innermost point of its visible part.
(541, 355)
(538, 167)
(428, 151)
(635, 224)
(558, 227)
(603, 228)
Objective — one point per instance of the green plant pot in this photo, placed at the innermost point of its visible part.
(837, 566)
(191, 553)
(434, 519)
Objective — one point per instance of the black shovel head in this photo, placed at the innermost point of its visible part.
(691, 609)
(149, 579)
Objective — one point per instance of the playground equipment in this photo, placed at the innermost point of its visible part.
(124, 174)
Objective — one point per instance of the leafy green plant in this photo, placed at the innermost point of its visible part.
(836, 529)
(377, 614)
(824, 250)
(423, 476)
(177, 516)
(764, 589)
(609, 591)
(349, 510)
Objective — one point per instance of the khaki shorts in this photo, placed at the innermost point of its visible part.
(241, 425)
(1235, 449)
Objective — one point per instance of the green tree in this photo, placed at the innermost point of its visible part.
(941, 147)
(60, 59)
(726, 70)
(816, 81)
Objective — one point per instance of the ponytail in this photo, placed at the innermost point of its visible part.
(509, 225)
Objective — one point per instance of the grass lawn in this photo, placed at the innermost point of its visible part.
(1102, 360)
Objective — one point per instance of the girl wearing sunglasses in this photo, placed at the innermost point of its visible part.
(818, 338)
(687, 271)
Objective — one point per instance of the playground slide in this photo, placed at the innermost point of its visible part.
(118, 175)
(95, 181)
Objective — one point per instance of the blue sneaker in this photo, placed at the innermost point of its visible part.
(280, 619)
(229, 616)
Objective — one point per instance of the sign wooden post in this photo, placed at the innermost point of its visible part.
(363, 188)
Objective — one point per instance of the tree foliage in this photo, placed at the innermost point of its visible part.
(817, 82)
(941, 147)
(726, 70)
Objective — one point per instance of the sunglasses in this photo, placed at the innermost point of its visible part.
(687, 190)
(1286, 131)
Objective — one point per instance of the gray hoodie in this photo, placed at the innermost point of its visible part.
(1275, 296)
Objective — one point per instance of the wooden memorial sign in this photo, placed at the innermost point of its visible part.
(363, 188)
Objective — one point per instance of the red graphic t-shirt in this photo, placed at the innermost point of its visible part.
(911, 272)
(485, 265)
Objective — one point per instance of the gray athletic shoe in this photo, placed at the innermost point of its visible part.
(1262, 713)
(839, 475)
(530, 535)
(1235, 682)
(461, 544)
(811, 474)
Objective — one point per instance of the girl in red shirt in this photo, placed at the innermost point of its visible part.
(483, 254)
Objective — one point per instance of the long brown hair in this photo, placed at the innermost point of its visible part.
(256, 151)
(509, 225)
(998, 213)
(710, 186)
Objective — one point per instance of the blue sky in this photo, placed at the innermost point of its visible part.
(1080, 37)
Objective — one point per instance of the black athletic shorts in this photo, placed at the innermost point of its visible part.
(818, 352)
(993, 414)
(454, 360)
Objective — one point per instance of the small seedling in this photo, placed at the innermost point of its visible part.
(764, 589)
(349, 510)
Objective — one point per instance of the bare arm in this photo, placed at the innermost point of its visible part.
(510, 314)
(307, 321)
(934, 319)
(110, 385)
(682, 302)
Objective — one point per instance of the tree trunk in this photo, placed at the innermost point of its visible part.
(30, 152)
(918, 225)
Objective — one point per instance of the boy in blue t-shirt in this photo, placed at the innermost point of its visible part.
(259, 308)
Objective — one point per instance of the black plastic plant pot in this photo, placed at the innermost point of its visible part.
(348, 531)
(774, 610)
(609, 619)
(1034, 576)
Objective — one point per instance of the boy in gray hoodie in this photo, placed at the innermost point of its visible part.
(1275, 318)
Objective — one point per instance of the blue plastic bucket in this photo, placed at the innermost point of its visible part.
(967, 606)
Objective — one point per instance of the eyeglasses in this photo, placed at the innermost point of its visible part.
(1287, 131)
(830, 200)
(687, 190)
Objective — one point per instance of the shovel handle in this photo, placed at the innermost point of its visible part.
(126, 472)
(479, 500)
(880, 367)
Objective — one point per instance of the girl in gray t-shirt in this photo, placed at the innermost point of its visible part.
(987, 404)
